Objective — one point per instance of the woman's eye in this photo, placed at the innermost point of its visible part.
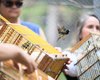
(98, 28)
(90, 26)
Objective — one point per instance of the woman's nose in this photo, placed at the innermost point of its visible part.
(94, 29)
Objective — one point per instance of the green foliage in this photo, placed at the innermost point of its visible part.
(62, 77)
(35, 13)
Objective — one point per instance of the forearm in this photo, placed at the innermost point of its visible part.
(8, 51)
(5, 56)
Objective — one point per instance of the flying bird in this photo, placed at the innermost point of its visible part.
(62, 31)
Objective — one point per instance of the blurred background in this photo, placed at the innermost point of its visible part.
(52, 14)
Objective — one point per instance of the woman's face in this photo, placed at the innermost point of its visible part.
(91, 24)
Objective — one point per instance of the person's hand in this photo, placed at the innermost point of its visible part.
(70, 68)
(9, 51)
(69, 61)
(26, 60)
(60, 50)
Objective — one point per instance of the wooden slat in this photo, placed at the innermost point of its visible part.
(80, 43)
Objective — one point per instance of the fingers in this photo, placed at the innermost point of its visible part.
(69, 62)
(26, 60)
(15, 64)
(31, 67)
